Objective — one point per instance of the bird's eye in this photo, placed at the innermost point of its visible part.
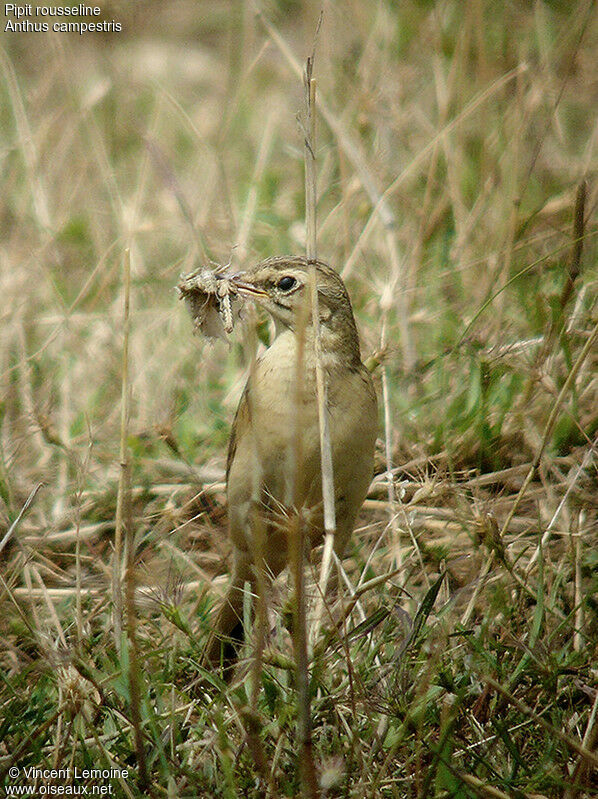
(286, 283)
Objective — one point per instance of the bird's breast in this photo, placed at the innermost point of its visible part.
(281, 432)
(279, 404)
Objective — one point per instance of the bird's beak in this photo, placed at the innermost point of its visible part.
(247, 288)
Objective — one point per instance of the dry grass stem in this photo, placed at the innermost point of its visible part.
(117, 557)
(307, 769)
(321, 387)
(556, 409)
(240, 252)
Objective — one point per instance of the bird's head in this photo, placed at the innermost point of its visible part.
(282, 286)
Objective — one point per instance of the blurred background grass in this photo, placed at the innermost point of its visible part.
(452, 139)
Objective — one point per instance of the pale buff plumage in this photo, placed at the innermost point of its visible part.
(260, 484)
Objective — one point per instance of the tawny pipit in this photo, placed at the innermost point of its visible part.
(262, 488)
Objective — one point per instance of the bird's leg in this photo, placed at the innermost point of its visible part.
(258, 568)
(227, 631)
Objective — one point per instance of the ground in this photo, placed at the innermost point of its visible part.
(456, 159)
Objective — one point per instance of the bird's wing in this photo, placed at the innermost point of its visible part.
(240, 423)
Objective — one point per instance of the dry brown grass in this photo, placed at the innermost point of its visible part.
(452, 139)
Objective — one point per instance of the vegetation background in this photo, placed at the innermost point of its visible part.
(453, 142)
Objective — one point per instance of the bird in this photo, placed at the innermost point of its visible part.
(264, 485)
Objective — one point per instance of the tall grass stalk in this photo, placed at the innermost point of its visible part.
(121, 498)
